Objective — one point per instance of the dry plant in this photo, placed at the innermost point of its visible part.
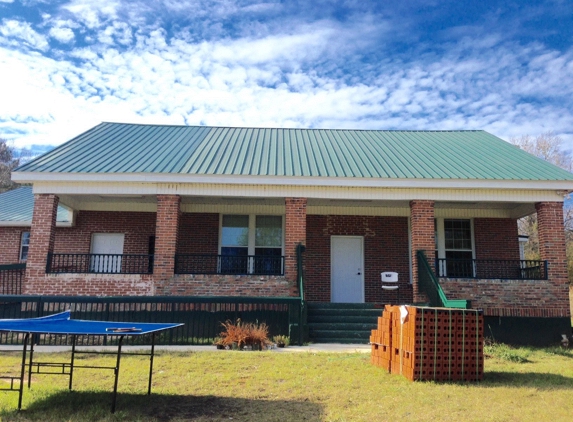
(240, 334)
(234, 333)
(258, 335)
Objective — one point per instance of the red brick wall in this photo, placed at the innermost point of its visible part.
(91, 285)
(423, 238)
(137, 227)
(42, 237)
(385, 249)
(496, 238)
(166, 234)
(527, 298)
(198, 233)
(295, 233)
(10, 238)
(531, 298)
(225, 285)
(551, 236)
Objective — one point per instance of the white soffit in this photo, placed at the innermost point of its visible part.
(261, 191)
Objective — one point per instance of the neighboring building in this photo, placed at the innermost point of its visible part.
(178, 210)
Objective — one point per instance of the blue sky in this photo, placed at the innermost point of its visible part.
(505, 67)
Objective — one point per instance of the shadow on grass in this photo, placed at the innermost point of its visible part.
(96, 406)
(536, 380)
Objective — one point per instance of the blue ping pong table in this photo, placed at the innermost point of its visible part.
(62, 324)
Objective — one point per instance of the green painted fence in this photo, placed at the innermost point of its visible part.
(202, 316)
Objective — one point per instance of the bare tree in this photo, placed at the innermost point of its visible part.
(546, 146)
(549, 147)
(7, 163)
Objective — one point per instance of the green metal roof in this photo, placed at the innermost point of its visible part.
(18, 206)
(135, 148)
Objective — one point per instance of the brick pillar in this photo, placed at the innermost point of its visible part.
(42, 237)
(423, 238)
(551, 234)
(295, 233)
(166, 232)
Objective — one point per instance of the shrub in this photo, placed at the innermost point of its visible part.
(240, 334)
(281, 341)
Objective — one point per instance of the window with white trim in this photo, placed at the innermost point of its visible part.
(251, 244)
(455, 247)
(24, 246)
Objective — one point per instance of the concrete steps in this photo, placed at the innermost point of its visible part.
(342, 322)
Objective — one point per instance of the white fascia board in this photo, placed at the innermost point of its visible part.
(29, 224)
(15, 223)
(34, 177)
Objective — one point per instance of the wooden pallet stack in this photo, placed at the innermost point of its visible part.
(438, 344)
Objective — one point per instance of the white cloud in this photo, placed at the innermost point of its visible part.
(23, 32)
(320, 74)
(93, 13)
(63, 35)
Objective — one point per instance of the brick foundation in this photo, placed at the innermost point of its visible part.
(531, 298)
(385, 249)
(225, 285)
(92, 285)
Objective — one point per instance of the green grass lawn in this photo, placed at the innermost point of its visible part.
(519, 385)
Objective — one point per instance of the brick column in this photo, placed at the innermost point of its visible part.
(166, 232)
(551, 233)
(422, 238)
(42, 237)
(295, 233)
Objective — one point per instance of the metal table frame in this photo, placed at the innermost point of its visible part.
(62, 324)
(67, 368)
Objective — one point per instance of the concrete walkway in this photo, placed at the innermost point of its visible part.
(311, 348)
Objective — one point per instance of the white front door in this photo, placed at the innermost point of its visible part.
(347, 269)
(106, 247)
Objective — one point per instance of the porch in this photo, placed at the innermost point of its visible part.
(245, 246)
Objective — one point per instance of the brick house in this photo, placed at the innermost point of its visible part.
(207, 211)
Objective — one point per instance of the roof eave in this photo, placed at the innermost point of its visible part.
(28, 223)
(43, 177)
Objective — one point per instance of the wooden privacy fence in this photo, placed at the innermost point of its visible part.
(202, 316)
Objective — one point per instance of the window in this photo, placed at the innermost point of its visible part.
(251, 244)
(235, 244)
(268, 244)
(24, 246)
(454, 242)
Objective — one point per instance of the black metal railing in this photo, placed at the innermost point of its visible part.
(228, 264)
(202, 316)
(11, 277)
(99, 263)
(492, 269)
